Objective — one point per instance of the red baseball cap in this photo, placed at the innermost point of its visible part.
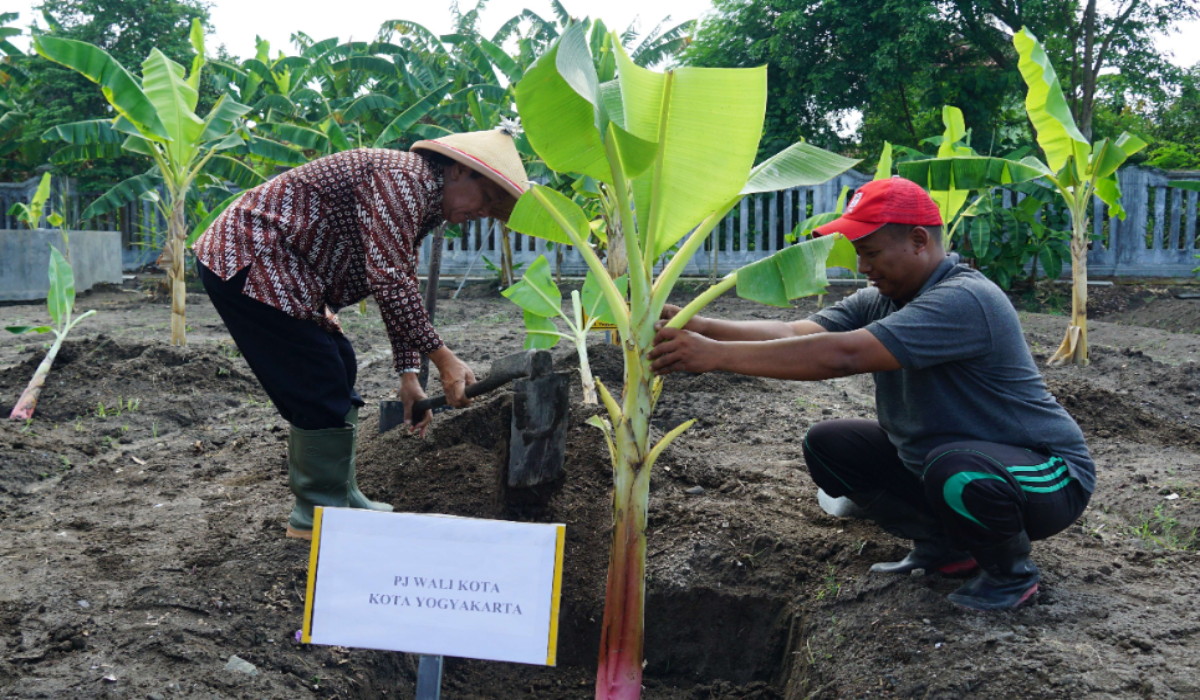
(881, 202)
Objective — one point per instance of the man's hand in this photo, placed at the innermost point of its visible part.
(695, 323)
(410, 393)
(456, 376)
(677, 350)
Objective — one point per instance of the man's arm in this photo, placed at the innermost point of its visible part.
(808, 356)
(720, 329)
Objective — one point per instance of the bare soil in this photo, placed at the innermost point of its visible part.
(142, 514)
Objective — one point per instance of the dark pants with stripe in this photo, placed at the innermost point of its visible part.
(982, 492)
(308, 372)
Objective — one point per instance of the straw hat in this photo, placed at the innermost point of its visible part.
(491, 153)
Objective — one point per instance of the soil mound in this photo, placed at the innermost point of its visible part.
(143, 511)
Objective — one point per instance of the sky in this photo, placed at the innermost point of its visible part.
(236, 22)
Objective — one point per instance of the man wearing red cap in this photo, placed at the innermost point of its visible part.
(971, 457)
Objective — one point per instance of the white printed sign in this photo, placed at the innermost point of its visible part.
(435, 584)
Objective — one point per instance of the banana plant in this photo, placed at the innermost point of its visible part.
(958, 171)
(1074, 167)
(16, 99)
(1077, 169)
(60, 302)
(156, 118)
(31, 214)
(540, 299)
(672, 166)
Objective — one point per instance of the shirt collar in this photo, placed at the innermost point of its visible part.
(433, 184)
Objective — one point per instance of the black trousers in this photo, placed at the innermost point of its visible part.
(982, 492)
(308, 372)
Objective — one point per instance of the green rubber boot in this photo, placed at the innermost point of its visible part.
(321, 473)
(319, 463)
(353, 494)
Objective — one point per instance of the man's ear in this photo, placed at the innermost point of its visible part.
(921, 237)
(456, 171)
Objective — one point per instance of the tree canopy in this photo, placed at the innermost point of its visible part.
(127, 30)
(894, 64)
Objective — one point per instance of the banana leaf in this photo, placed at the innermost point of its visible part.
(966, 172)
(794, 272)
(122, 193)
(1047, 107)
(175, 101)
(399, 127)
(120, 88)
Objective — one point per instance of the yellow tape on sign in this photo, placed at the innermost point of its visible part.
(306, 633)
(552, 646)
(600, 325)
(614, 337)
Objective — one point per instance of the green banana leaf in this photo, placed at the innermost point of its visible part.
(883, 169)
(703, 162)
(399, 127)
(276, 103)
(120, 88)
(210, 217)
(61, 298)
(531, 218)
(301, 136)
(500, 59)
(1108, 155)
(369, 103)
(174, 100)
(1047, 107)
(88, 131)
(122, 193)
(93, 151)
(337, 136)
(233, 170)
(794, 272)
(536, 292)
(540, 332)
(592, 297)
(950, 198)
(798, 165)
(221, 118)
(275, 151)
(138, 145)
(1191, 185)
(196, 37)
(561, 124)
(964, 173)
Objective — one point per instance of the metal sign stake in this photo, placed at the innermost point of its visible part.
(429, 678)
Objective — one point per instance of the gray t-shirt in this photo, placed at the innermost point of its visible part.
(966, 372)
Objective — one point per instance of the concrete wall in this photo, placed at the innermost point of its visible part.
(25, 259)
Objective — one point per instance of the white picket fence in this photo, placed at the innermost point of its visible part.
(1157, 238)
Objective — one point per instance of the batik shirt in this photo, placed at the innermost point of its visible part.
(328, 234)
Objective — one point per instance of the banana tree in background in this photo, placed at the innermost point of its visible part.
(156, 118)
(1075, 168)
(673, 151)
(15, 98)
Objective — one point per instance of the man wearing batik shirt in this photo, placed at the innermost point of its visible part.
(284, 257)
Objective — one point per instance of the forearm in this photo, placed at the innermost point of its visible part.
(804, 358)
(720, 329)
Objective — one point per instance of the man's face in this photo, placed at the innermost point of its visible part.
(893, 262)
(467, 195)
